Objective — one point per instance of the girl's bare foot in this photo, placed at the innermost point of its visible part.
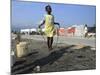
(50, 48)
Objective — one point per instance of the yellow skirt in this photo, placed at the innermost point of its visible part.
(50, 32)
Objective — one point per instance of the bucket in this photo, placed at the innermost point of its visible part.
(22, 49)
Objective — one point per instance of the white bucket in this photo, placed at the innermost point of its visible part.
(22, 49)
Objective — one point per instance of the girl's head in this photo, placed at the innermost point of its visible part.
(48, 9)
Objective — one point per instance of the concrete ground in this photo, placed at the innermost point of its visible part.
(68, 55)
(64, 39)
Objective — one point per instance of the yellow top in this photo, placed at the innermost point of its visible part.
(49, 25)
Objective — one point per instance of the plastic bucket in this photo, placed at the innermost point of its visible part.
(22, 49)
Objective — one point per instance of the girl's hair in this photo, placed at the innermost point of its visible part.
(47, 7)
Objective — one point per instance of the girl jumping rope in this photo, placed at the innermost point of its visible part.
(49, 26)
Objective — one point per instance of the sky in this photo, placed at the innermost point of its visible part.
(29, 14)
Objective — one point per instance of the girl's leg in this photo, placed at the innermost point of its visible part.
(51, 42)
(48, 42)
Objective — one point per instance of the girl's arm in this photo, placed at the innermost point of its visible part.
(42, 23)
(57, 24)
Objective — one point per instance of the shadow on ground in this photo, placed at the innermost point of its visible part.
(23, 67)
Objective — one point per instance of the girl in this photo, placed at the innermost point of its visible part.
(49, 26)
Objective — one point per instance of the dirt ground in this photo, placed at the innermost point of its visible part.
(63, 57)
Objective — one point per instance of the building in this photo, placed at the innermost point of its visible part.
(74, 30)
(71, 31)
(61, 31)
(25, 31)
(79, 30)
(28, 31)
